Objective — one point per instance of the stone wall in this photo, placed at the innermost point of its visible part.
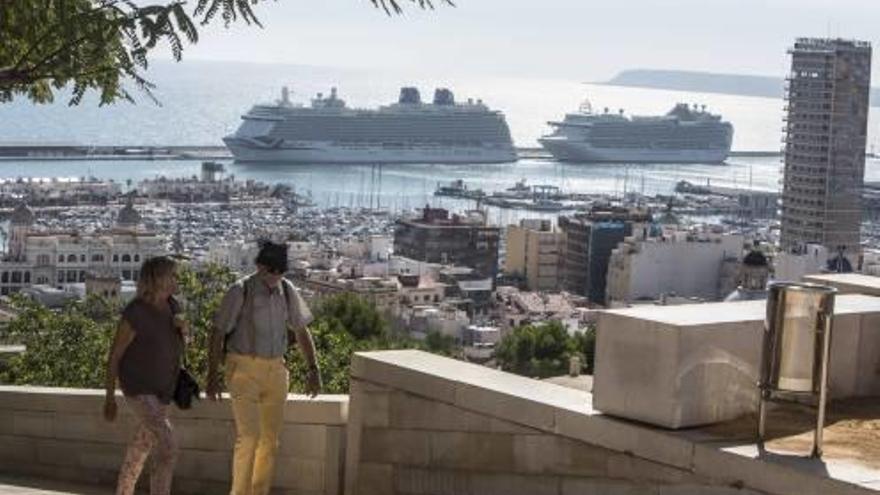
(421, 424)
(60, 433)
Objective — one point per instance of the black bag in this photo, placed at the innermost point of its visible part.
(186, 389)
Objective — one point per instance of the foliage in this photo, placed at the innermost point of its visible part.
(543, 350)
(353, 314)
(344, 323)
(67, 348)
(585, 345)
(47, 45)
(439, 343)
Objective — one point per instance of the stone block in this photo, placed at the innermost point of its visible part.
(304, 441)
(702, 490)
(374, 479)
(299, 474)
(736, 469)
(473, 451)
(204, 465)
(623, 436)
(868, 362)
(92, 427)
(322, 410)
(417, 481)
(191, 486)
(407, 447)
(638, 470)
(59, 452)
(531, 413)
(553, 454)
(513, 484)
(205, 433)
(334, 461)
(580, 486)
(415, 378)
(33, 423)
(376, 408)
(15, 449)
(101, 456)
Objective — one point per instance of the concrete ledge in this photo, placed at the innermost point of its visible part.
(563, 444)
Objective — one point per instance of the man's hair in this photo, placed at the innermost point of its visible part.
(272, 255)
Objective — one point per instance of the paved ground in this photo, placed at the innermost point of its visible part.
(31, 486)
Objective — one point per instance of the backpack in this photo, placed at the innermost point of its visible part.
(244, 304)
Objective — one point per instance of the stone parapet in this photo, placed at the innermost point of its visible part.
(60, 433)
(422, 424)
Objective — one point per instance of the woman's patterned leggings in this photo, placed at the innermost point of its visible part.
(153, 432)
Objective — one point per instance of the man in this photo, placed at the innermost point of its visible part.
(254, 320)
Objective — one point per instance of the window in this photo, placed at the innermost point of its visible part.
(82, 258)
(126, 274)
(43, 259)
(71, 276)
(82, 276)
(137, 258)
(60, 276)
(116, 258)
(97, 257)
(27, 277)
(4, 278)
(61, 258)
(16, 277)
(126, 258)
(71, 258)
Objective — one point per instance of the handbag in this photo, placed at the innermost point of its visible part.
(186, 389)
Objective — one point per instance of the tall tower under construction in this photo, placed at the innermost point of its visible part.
(825, 133)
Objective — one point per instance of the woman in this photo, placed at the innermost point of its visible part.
(145, 357)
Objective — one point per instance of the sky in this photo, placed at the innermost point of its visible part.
(587, 40)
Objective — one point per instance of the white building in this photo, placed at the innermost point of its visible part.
(683, 264)
(793, 266)
(61, 258)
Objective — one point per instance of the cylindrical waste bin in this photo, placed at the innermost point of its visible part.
(796, 348)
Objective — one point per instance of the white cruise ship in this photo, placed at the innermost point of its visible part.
(408, 131)
(684, 135)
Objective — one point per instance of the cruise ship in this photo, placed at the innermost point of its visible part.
(684, 135)
(409, 131)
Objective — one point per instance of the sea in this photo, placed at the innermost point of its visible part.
(200, 102)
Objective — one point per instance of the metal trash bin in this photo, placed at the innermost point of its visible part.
(796, 350)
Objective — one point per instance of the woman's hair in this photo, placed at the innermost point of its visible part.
(153, 272)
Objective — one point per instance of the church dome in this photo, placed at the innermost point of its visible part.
(22, 215)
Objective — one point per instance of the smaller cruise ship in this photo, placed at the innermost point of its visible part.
(684, 135)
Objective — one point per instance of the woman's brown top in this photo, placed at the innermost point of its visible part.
(151, 362)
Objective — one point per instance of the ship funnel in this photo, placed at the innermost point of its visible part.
(443, 96)
(285, 95)
(409, 95)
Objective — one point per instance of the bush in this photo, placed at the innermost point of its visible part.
(543, 350)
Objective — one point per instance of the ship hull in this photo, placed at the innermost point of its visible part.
(316, 152)
(580, 152)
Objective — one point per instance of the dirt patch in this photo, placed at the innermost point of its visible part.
(852, 430)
